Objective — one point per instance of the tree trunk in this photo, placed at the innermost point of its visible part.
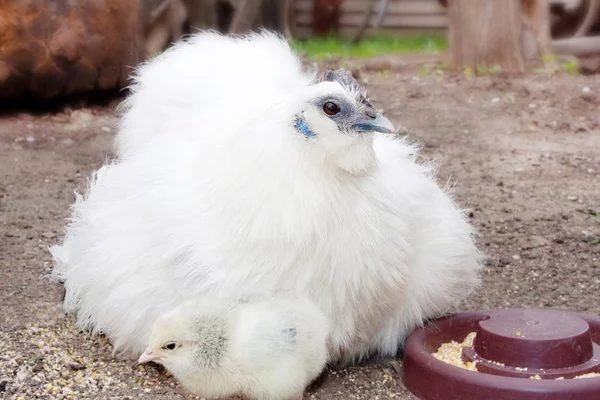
(536, 29)
(510, 33)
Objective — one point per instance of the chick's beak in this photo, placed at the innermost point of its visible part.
(374, 122)
(147, 356)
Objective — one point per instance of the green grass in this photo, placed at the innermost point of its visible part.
(323, 48)
(553, 64)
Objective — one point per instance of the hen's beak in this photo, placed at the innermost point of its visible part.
(147, 356)
(377, 124)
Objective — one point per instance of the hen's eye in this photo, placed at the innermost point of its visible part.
(331, 108)
(170, 346)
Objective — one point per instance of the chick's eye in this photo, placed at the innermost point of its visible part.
(331, 108)
(170, 346)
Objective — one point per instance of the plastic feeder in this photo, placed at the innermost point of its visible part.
(511, 346)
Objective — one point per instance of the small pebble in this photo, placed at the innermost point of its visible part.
(516, 257)
(106, 129)
(81, 116)
(585, 89)
(572, 198)
(395, 366)
(30, 139)
(496, 100)
(77, 366)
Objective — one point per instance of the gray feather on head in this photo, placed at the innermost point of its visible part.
(345, 78)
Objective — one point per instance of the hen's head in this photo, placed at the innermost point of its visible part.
(336, 116)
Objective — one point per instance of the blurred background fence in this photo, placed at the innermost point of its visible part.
(302, 19)
(59, 47)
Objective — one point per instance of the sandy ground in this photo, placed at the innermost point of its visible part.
(524, 154)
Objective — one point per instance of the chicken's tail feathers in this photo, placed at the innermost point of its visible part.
(60, 252)
(201, 79)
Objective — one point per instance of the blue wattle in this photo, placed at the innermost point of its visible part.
(304, 128)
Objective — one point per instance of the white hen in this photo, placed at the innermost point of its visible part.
(265, 347)
(237, 172)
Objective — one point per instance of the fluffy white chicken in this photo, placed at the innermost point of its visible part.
(264, 347)
(238, 171)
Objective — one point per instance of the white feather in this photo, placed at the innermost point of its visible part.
(209, 198)
(218, 78)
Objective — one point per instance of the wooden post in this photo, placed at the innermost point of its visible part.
(202, 14)
(510, 33)
(326, 17)
(165, 26)
(271, 15)
(246, 13)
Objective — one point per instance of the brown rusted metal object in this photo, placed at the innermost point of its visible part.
(59, 47)
(326, 16)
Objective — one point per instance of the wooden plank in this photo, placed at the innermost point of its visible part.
(395, 6)
(581, 46)
(396, 31)
(397, 20)
(302, 5)
(301, 18)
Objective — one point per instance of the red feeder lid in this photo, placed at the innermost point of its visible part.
(510, 347)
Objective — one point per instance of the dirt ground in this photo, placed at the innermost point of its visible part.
(524, 154)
